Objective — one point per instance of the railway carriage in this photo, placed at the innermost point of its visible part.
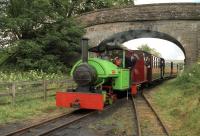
(113, 72)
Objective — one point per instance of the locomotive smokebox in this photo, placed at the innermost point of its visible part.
(84, 74)
(84, 46)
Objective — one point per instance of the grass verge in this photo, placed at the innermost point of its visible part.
(27, 110)
(178, 101)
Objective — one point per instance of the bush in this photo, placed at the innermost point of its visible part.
(189, 77)
(31, 75)
(30, 55)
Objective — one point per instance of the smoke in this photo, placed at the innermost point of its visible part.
(117, 39)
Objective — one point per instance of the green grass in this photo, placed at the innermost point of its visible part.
(28, 105)
(31, 104)
(26, 110)
(179, 102)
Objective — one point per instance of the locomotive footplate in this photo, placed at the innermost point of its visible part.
(80, 100)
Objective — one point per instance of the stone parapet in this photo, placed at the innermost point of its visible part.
(181, 11)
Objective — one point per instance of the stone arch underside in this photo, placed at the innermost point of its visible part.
(122, 37)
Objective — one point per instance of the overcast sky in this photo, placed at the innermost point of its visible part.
(168, 50)
(137, 2)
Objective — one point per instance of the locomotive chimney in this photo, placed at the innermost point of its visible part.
(84, 46)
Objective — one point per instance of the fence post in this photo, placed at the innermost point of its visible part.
(13, 89)
(45, 89)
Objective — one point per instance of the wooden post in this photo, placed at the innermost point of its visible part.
(45, 89)
(13, 89)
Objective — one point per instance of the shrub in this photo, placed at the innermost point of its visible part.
(7, 76)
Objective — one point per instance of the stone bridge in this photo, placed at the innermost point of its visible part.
(178, 23)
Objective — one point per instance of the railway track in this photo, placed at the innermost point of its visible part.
(147, 120)
(51, 125)
(138, 128)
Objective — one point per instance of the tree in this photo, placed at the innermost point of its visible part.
(81, 6)
(42, 34)
(146, 48)
(90, 5)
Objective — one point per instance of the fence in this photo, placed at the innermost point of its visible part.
(11, 92)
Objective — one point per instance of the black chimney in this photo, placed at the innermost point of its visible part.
(84, 46)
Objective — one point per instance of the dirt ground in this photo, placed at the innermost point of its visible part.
(120, 123)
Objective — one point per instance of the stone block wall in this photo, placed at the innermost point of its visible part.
(181, 21)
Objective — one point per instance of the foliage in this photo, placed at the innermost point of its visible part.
(31, 75)
(179, 100)
(98, 4)
(42, 34)
(82, 6)
(146, 48)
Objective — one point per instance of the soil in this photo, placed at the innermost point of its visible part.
(121, 122)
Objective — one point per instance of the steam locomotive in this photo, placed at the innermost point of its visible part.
(112, 72)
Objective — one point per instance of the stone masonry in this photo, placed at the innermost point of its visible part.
(179, 21)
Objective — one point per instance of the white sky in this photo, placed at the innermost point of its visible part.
(138, 2)
(168, 50)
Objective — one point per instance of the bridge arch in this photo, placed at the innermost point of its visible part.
(125, 36)
(178, 23)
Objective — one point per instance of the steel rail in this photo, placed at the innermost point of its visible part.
(65, 124)
(137, 117)
(156, 114)
(38, 124)
(72, 119)
(70, 122)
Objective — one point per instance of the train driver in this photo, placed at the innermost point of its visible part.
(117, 61)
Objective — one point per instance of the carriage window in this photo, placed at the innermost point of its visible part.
(147, 60)
(152, 62)
(93, 54)
(157, 62)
